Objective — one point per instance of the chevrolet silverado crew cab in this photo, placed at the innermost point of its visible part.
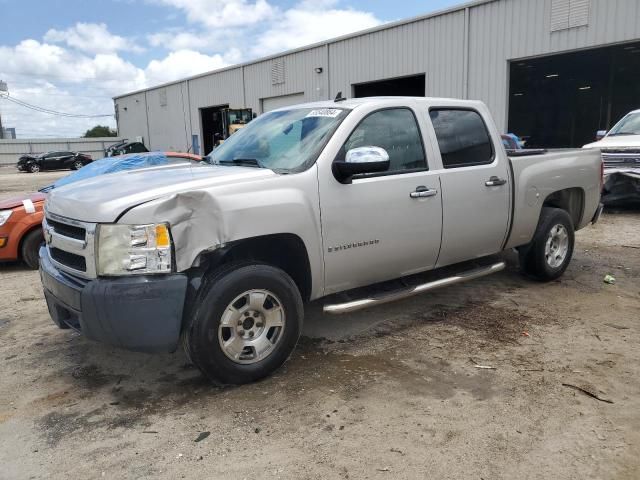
(302, 203)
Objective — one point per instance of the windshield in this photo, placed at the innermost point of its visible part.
(285, 141)
(629, 125)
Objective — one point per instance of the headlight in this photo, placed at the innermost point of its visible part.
(134, 249)
(4, 216)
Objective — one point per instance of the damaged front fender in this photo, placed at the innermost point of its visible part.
(205, 220)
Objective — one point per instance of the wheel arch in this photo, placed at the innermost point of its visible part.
(571, 200)
(286, 251)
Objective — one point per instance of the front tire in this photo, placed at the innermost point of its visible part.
(34, 168)
(31, 247)
(246, 323)
(547, 257)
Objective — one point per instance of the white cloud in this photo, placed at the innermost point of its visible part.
(180, 64)
(177, 40)
(79, 69)
(311, 22)
(223, 13)
(91, 38)
(64, 80)
(73, 82)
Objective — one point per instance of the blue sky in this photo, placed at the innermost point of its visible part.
(74, 55)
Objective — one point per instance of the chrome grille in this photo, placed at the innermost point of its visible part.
(621, 158)
(70, 244)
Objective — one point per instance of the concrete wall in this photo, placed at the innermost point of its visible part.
(463, 52)
(10, 150)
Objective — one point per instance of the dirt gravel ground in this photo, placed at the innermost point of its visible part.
(390, 392)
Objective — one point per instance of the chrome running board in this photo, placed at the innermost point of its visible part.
(354, 305)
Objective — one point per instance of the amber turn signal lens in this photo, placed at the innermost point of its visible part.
(162, 236)
(3, 241)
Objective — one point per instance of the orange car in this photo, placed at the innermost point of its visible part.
(21, 228)
(21, 217)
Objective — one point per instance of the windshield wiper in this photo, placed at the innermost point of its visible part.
(623, 133)
(243, 162)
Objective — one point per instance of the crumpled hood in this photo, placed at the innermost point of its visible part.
(104, 198)
(622, 141)
(13, 202)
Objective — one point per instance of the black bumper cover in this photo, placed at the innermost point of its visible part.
(136, 313)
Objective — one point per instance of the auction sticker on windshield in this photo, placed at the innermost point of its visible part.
(324, 112)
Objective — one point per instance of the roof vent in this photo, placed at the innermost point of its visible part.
(567, 14)
(162, 94)
(277, 72)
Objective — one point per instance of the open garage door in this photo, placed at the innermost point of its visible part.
(413, 86)
(563, 100)
(273, 103)
(212, 126)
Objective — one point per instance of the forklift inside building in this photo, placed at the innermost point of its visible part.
(220, 122)
(413, 86)
(563, 100)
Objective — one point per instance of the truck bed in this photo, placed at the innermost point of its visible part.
(577, 171)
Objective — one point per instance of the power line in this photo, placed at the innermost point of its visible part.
(51, 112)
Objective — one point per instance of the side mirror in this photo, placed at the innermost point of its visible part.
(361, 160)
(600, 134)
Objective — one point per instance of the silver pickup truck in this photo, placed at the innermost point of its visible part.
(304, 202)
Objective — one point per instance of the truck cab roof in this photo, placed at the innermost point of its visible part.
(353, 103)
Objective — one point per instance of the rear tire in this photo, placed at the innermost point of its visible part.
(246, 323)
(31, 248)
(548, 255)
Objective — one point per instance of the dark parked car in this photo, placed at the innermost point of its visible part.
(126, 147)
(53, 161)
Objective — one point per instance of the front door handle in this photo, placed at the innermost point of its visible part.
(423, 192)
(495, 182)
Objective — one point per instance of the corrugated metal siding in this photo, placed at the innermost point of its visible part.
(498, 31)
(10, 150)
(516, 29)
(434, 47)
(212, 90)
(132, 117)
(168, 112)
(299, 76)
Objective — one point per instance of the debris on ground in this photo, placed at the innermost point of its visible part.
(588, 391)
(617, 327)
(202, 436)
(525, 334)
(483, 367)
(610, 279)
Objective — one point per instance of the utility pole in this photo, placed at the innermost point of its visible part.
(3, 90)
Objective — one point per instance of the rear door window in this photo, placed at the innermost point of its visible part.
(462, 137)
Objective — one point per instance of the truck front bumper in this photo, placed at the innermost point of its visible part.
(136, 313)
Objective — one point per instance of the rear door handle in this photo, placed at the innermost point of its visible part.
(423, 192)
(495, 182)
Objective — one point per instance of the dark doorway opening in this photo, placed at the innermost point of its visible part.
(212, 126)
(563, 100)
(413, 86)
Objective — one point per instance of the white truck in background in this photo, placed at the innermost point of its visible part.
(620, 149)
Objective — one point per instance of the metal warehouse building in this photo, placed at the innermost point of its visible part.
(553, 71)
